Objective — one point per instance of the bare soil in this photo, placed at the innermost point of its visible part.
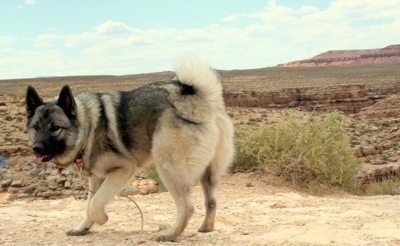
(253, 210)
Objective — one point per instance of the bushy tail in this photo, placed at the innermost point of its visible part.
(205, 80)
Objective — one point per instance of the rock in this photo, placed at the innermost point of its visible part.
(147, 186)
(61, 180)
(358, 153)
(67, 185)
(5, 183)
(49, 194)
(66, 172)
(17, 184)
(368, 150)
(346, 98)
(52, 179)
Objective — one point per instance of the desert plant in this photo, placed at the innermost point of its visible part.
(387, 186)
(317, 151)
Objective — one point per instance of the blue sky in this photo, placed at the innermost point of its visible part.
(115, 37)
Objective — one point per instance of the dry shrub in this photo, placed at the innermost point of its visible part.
(317, 151)
(387, 186)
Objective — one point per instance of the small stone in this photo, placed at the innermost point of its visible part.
(17, 183)
(5, 183)
(379, 162)
(61, 180)
(65, 172)
(67, 185)
(52, 179)
(278, 205)
(52, 187)
(49, 194)
(368, 150)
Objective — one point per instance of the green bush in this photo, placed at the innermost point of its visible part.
(305, 153)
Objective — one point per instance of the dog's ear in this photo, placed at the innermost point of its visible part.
(67, 102)
(32, 101)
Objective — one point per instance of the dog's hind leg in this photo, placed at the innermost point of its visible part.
(208, 184)
(180, 192)
(213, 173)
(87, 223)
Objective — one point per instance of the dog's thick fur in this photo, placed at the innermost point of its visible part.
(180, 124)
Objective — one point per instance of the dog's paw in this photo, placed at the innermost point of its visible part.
(166, 238)
(77, 232)
(204, 228)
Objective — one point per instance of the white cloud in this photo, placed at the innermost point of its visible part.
(270, 36)
(113, 28)
(30, 1)
(25, 3)
(233, 17)
(305, 9)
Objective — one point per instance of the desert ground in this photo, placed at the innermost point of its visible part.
(254, 208)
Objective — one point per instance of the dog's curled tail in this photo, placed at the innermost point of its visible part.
(205, 81)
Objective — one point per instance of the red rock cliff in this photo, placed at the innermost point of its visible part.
(388, 54)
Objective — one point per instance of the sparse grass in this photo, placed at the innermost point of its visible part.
(317, 152)
(387, 186)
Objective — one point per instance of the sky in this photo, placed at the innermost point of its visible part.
(40, 38)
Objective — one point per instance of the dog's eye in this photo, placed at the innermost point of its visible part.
(54, 128)
(36, 127)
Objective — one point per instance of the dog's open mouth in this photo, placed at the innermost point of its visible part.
(42, 158)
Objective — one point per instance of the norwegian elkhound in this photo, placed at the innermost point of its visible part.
(180, 124)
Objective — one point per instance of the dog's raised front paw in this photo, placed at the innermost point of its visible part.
(97, 215)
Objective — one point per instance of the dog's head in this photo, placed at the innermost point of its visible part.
(52, 126)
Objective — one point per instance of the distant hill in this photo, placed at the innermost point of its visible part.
(389, 54)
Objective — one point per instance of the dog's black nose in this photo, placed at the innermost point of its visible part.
(38, 148)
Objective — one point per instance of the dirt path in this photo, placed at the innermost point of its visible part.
(251, 212)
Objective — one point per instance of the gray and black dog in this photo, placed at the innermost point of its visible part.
(180, 124)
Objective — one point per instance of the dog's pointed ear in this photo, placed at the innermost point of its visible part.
(67, 102)
(32, 101)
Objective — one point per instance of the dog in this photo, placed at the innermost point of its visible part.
(181, 125)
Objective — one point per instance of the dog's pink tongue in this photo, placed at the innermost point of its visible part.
(38, 159)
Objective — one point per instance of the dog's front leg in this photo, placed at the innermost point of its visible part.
(83, 228)
(114, 182)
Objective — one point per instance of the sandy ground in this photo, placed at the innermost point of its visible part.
(251, 211)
